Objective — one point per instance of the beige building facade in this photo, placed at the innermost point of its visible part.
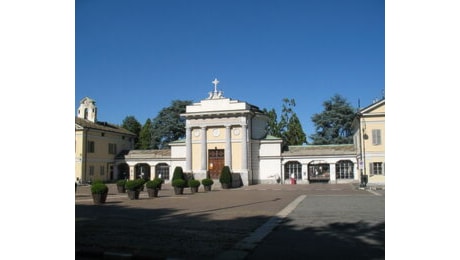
(369, 139)
(97, 144)
(225, 132)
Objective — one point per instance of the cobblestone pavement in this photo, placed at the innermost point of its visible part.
(202, 225)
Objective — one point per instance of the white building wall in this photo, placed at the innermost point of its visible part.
(270, 170)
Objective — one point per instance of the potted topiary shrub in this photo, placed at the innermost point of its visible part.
(121, 186)
(153, 187)
(133, 188)
(178, 185)
(99, 191)
(225, 178)
(207, 183)
(178, 173)
(142, 182)
(194, 185)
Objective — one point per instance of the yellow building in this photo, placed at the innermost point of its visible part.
(97, 144)
(369, 137)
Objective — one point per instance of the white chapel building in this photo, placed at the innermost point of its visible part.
(225, 132)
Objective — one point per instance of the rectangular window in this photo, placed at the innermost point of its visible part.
(102, 170)
(376, 168)
(90, 147)
(112, 148)
(376, 138)
(91, 170)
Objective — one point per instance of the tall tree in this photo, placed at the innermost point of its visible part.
(168, 126)
(273, 125)
(294, 134)
(145, 135)
(131, 124)
(288, 127)
(333, 125)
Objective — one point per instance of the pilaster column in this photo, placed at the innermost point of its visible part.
(244, 148)
(332, 173)
(228, 146)
(188, 149)
(203, 149)
(131, 172)
(152, 172)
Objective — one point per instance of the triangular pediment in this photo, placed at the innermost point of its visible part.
(376, 108)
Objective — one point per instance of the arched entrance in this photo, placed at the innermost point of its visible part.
(318, 171)
(123, 171)
(162, 171)
(293, 169)
(344, 170)
(142, 170)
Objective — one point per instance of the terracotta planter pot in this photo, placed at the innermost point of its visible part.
(226, 185)
(134, 194)
(99, 198)
(121, 189)
(178, 190)
(152, 192)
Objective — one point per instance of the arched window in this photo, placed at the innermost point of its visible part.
(162, 171)
(142, 170)
(318, 171)
(293, 169)
(344, 169)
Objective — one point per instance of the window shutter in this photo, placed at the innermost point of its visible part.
(376, 139)
(371, 169)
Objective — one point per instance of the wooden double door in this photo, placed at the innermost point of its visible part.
(216, 161)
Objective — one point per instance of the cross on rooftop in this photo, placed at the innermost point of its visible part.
(215, 82)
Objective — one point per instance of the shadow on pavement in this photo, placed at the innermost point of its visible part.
(359, 240)
(155, 233)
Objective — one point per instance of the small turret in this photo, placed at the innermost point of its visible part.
(88, 110)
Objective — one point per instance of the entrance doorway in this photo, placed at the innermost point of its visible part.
(216, 162)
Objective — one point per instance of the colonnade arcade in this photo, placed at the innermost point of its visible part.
(319, 170)
(144, 170)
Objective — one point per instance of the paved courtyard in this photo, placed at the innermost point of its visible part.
(210, 225)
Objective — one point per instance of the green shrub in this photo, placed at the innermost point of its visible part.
(180, 183)
(207, 182)
(99, 188)
(194, 183)
(225, 175)
(141, 181)
(154, 184)
(133, 184)
(178, 173)
(121, 182)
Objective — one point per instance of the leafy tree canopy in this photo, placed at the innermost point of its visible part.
(131, 124)
(168, 126)
(273, 125)
(288, 127)
(145, 136)
(333, 125)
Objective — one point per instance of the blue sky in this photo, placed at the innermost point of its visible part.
(135, 57)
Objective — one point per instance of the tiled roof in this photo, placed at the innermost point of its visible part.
(312, 150)
(103, 126)
(148, 154)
